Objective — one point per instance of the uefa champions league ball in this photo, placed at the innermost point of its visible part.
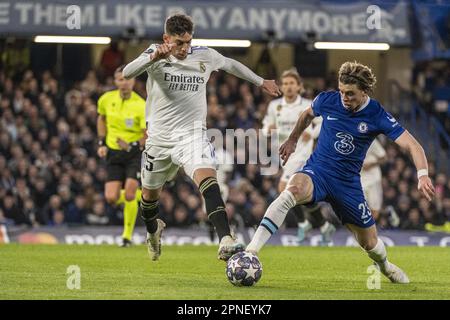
(244, 269)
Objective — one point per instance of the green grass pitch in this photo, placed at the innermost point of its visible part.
(192, 272)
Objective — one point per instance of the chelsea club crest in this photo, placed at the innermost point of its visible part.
(362, 127)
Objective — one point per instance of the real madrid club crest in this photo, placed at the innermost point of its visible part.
(279, 107)
(362, 127)
(202, 67)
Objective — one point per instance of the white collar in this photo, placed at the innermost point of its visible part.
(365, 104)
(297, 101)
(172, 58)
(360, 109)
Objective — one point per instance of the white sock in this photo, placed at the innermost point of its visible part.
(379, 255)
(305, 225)
(324, 227)
(274, 217)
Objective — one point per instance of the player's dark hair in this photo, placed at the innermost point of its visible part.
(120, 68)
(293, 73)
(359, 74)
(179, 24)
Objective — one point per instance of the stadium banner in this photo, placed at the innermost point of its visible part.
(364, 21)
(172, 236)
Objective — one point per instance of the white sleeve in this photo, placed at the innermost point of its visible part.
(235, 68)
(378, 149)
(140, 64)
(270, 119)
(310, 130)
(317, 125)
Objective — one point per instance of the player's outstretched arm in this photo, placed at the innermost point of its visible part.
(146, 59)
(408, 142)
(241, 71)
(137, 66)
(290, 144)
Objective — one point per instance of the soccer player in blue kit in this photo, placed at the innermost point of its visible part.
(351, 121)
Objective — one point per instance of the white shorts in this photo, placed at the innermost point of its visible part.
(374, 195)
(160, 164)
(294, 164)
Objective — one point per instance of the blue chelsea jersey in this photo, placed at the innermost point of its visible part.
(345, 136)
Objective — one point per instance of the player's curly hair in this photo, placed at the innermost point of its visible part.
(179, 24)
(359, 74)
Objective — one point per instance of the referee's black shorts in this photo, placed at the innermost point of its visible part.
(121, 165)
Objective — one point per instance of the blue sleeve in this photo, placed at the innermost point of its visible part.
(389, 126)
(316, 104)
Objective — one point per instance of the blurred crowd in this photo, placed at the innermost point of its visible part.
(431, 83)
(50, 174)
(402, 199)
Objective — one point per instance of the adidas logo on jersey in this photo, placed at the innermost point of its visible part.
(167, 65)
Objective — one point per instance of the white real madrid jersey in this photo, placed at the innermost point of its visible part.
(176, 90)
(284, 116)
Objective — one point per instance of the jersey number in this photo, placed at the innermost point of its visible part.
(366, 213)
(147, 163)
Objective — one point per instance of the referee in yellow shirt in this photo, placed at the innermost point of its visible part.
(121, 132)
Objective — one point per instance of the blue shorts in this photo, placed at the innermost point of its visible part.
(345, 196)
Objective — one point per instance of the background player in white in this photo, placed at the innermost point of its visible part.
(176, 106)
(281, 115)
(371, 177)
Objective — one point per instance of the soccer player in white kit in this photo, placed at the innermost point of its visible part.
(281, 115)
(371, 177)
(176, 117)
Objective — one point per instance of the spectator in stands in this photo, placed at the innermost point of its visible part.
(90, 84)
(15, 57)
(431, 85)
(236, 220)
(76, 211)
(111, 59)
(413, 221)
(98, 215)
(12, 211)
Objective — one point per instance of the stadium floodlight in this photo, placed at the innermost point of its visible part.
(221, 43)
(72, 39)
(351, 45)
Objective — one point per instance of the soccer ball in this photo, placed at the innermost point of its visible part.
(244, 269)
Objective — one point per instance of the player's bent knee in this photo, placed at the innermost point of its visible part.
(296, 191)
(150, 195)
(111, 198)
(300, 193)
(130, 196)
(301, 187)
